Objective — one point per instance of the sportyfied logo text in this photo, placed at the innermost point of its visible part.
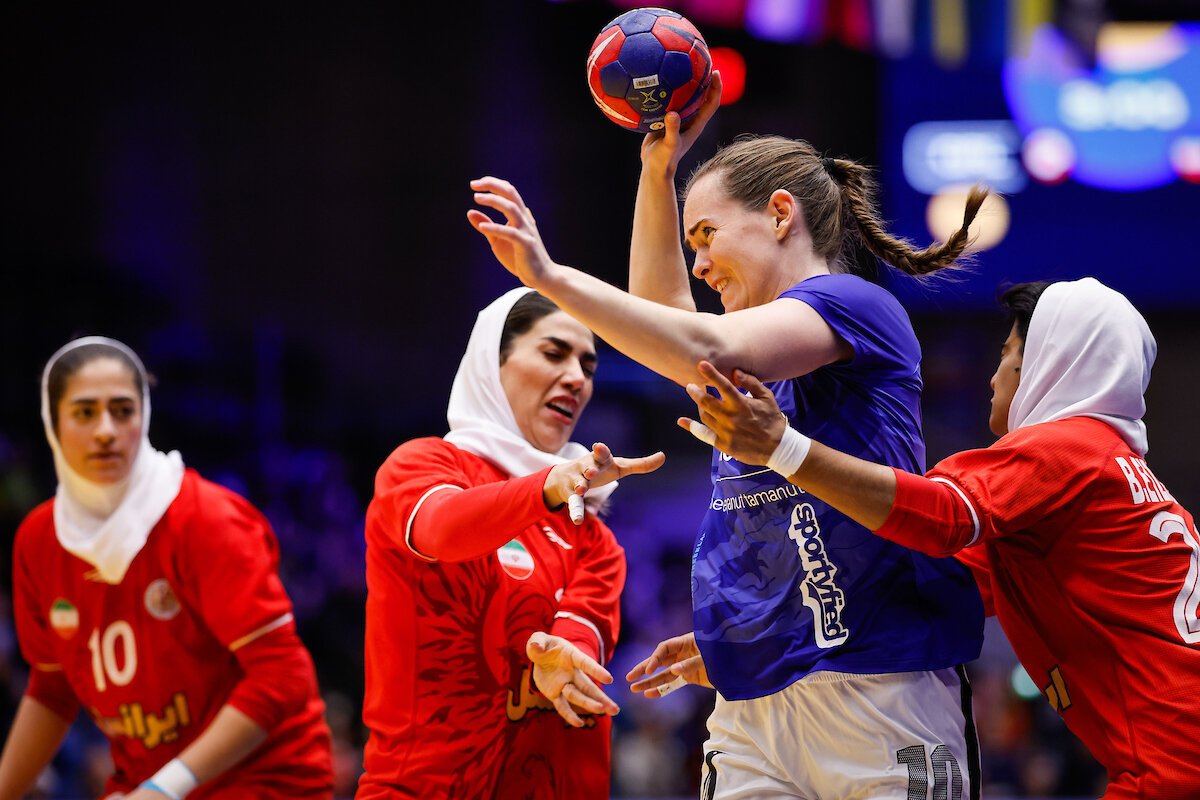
(821, 593)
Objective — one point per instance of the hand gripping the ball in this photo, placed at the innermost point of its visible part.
(662, 149)
(645, 64)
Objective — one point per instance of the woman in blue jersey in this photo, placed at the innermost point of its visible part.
(836, 655)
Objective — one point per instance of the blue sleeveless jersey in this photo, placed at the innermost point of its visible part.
(782, 584)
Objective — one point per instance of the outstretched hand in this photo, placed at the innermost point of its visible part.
(747, 427)
(564, 674)
(573, 478)
(663, 149)
(680, 662)
(516, 244)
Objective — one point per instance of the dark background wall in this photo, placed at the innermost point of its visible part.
(268, 203)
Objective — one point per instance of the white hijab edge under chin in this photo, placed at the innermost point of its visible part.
(107, 525)
(480, 417)
(1088, 353)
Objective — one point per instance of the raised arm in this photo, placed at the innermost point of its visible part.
(781, 339)
(657, 269)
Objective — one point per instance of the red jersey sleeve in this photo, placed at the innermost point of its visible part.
(929, 516)
(51, 689)
(589, 614)
(971, 497)
(423, 492)
(47, 683)
(227, 558)
(279, 678)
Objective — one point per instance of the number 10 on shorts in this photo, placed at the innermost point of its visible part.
(947, 777)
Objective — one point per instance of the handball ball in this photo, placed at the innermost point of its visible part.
(646, 63)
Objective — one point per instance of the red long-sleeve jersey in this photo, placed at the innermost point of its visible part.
(200, 619)
(1093, 570)
(449, 699)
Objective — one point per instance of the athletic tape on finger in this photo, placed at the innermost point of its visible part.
(702, 432)
(575, 508)
(667, 688)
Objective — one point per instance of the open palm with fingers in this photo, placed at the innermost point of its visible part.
(516, 243)
(566, 676)
(674, 659)
(594, 470)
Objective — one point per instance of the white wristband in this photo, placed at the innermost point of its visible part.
(790, 452)
(174, 780)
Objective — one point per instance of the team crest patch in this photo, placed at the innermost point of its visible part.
(161, 602)
(64, 618)
(515, 560)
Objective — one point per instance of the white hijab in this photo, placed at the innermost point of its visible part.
(482, 421)
(1088, 353)
(106, 525)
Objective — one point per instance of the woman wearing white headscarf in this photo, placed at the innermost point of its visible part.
(150, 597)
(493, 592)
(1088, 562)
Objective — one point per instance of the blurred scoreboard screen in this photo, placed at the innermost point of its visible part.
(1095, 157)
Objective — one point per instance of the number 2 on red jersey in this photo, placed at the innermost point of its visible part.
(1164, 524)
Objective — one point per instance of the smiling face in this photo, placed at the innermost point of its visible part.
(100, 420)
(547, 378)
(737, 250)
(1006, 380)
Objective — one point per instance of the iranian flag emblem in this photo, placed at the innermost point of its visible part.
(515, 560)
(64, 618)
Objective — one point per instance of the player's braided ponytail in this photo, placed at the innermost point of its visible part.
(858, 193)
(837, 199)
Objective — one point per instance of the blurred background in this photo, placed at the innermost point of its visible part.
(267, 201)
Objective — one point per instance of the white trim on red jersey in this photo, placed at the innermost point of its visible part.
(589, 624)
(265, 629)
(969, 504)
(409, 522)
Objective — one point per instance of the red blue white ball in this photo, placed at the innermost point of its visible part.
(646, 63)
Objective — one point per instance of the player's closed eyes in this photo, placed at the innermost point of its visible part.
(559, 355)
